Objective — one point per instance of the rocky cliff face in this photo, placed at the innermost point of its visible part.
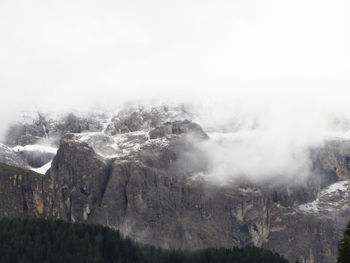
(21, 192)
(134, 175)
(165, 206)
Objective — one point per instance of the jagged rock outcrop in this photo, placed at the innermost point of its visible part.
(76, 181)
(41, 128)
(130, 120)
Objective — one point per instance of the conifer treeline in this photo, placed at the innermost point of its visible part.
(344, 250)
(41, 240)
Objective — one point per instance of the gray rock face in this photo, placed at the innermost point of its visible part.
(333, 159)
(149, 198)
(177, 127)
(135, 176)
(23, 134)
(21, 192)
(76, 181)
(42, 128)
(8, 156)
(131, 120)
(125, 124)
(74, 124)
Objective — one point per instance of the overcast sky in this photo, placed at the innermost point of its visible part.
(76, 53)
(283, 63)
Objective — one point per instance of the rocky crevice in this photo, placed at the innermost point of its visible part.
(125, 191)
(106, 182)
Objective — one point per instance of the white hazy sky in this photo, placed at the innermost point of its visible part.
(285, 62)
(71, 52)
(289, 57)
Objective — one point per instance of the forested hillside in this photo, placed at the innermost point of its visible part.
(40, 240)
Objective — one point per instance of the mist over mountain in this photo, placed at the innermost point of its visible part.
(161, 178)
(270, 144)
(187, 124)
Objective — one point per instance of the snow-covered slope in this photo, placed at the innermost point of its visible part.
(332, 199)
(43, 169)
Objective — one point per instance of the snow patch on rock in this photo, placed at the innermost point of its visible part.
(119, 145)
(335, 197)
(43, 169)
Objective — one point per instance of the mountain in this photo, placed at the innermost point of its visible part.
(131, 171)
